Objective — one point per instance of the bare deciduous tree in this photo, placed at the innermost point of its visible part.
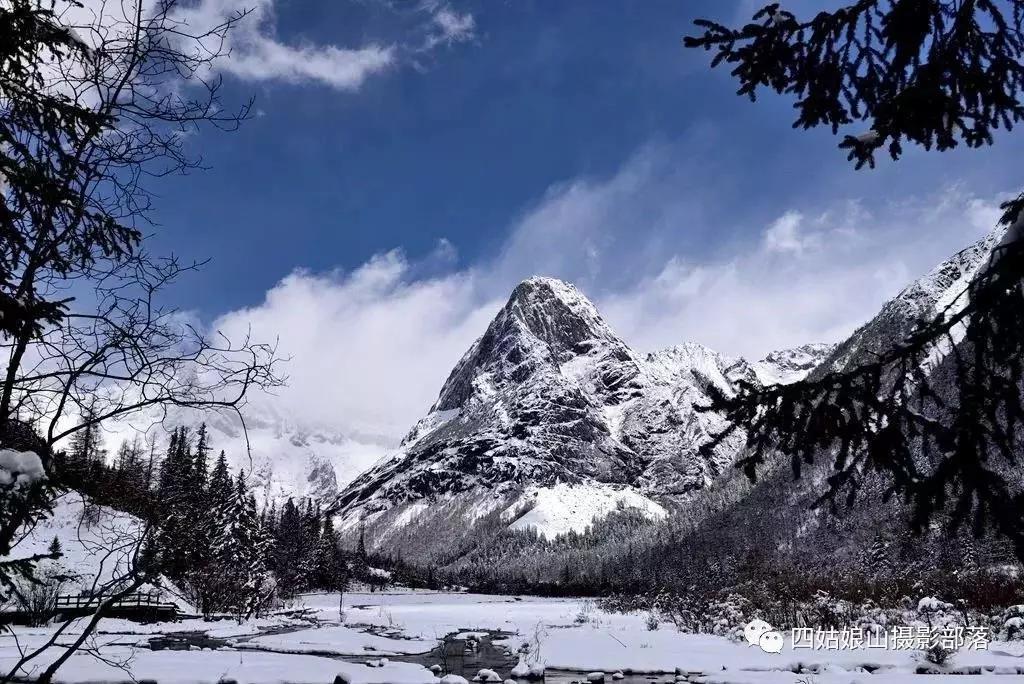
(96, 101)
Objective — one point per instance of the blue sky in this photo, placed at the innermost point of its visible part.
(545, 92)
(410, 162)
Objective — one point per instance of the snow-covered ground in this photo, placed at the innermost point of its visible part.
(97, 542)
(379, 630)
(555, 510)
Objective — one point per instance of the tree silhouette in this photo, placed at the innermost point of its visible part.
(939, 415)
(95, 104)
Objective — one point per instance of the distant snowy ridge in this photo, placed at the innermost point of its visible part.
(943, 286)
(282, 456)
(790, 365)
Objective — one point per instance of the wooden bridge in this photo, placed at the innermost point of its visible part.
(148, 607)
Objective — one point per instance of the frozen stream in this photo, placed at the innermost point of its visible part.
(464, 633)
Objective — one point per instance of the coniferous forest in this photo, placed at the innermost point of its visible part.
(224, 551)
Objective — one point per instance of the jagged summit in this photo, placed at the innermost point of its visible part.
(545, 323)
(786, 366)
(555, 312)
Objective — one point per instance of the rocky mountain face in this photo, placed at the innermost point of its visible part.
(550, 400)
(942, 287)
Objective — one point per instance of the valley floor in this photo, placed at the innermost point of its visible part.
(393, 637)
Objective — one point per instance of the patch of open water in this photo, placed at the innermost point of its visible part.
(466, 656)
(463, 653)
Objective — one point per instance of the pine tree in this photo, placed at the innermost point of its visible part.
(151, 464)
(130, 489)
(271, 525)
(203, 528)
(185, 463)
(331, 570)
(361, 564)
(86, 454)
(168, 475)
(288, 549)
(246, 584)
(310, 545)
(969, 556)
(176, 534)
(877, 557)
(201, 461)
(55, 549)
(220, 489)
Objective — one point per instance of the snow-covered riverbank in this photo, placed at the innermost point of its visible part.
(567, 636)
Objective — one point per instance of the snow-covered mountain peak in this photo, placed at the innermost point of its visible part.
(546, 327)
(687, 356)
(557, 314)
(550, 395)
(787, 366)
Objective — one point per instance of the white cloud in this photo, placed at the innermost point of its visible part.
(257, 52)
(253, 49)
(339, 68)
(371, 347)
(785, 234)
(450, 27)
(799, 283)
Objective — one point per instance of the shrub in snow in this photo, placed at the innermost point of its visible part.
(938, 654)
(36, 597)
(930, 604)
(453, 679)
(20, 468)
(652, 622)
(871, 618)
(1010, 623)
(585, 614)
(829, 611)
(934, 614)
(521, 669)
(728, 616)
(595, 677)
(1014, 611)
(1013, 629)
(486, 675)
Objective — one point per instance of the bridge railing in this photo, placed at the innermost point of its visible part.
(138, 600)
